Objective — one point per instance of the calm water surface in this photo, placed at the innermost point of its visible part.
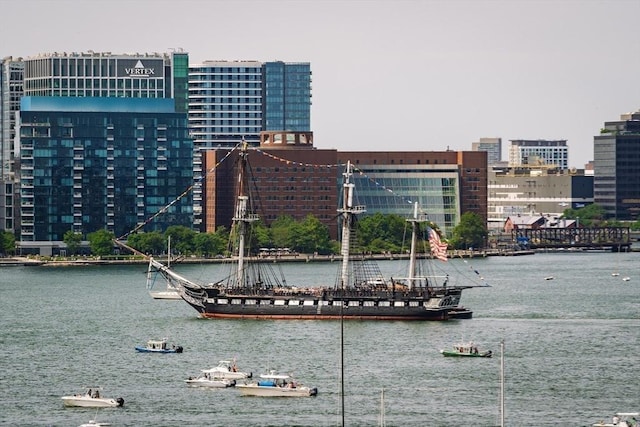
(571, 350)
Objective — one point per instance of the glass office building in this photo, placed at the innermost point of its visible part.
(88, 164)
(286, 94)
(103, 74)
(616, 151)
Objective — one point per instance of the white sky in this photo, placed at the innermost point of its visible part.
(387, 75)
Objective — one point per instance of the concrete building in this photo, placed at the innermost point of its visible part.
(493, 147)
(88, 164)
(11, 78)
(527, 191)
(291, 177)
(617, 167)
(294, 178)
(553, 153)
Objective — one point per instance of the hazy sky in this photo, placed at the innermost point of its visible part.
(387, 75)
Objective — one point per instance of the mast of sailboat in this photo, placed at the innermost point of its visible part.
(348, 211)
(415, 221)
(502, 383)
(242, 218)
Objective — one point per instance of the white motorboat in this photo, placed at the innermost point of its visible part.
(94, 423)
(208, 379)
(92, 399)
(621, 419)
(228, 369)
(276, 385)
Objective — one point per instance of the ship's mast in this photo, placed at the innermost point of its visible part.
(415, 221)
(242, 217)
(348, 211)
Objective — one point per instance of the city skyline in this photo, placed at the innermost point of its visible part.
(431, 75)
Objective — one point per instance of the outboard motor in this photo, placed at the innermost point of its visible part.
(120, 401)
(179, 349)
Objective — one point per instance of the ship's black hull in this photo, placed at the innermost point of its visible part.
(329, 305)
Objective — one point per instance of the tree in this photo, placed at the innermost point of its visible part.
(590, 215)
(470, 232)
(101, 242)
(281, 231)
(311, 236)
(7, 243)
(379, 232)
(209, 244)
(72, 240)
(181, 239)
(153, 242)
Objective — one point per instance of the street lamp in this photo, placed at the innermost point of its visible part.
(577, 222)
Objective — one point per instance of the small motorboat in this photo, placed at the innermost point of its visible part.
(209, 379)
(465, 350)
(159, 346)
(228, 369)
(92, 399)
(621, 419)
(94, 423)
(276, 385)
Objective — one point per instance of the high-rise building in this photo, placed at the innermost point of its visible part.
(103, 74)
(286, 96)
(493, 147)
(76, 76)
(616, 162)
(553, 153)
(11, 77)
(88, 164)
(233, 101)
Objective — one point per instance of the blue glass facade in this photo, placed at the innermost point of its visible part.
(394, 191)
(103, 164)
(286, 96)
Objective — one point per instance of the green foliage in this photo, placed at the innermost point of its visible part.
(73, 241)
(181, 239)
(152, 243)
(310, 236)
(7, 243)
(471, 231)
(282, 232)
(101, 242)
(635, 225)
(209, 244)
(378, 233)
(592, 215)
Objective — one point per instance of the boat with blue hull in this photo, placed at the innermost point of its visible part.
(159, 346)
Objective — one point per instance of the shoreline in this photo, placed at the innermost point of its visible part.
(85, 261)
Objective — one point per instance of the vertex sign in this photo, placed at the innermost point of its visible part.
(140, 68)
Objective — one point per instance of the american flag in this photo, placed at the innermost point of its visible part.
(438, 248)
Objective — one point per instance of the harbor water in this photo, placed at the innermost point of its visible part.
(571, 349)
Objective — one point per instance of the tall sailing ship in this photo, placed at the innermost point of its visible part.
(253, 291)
